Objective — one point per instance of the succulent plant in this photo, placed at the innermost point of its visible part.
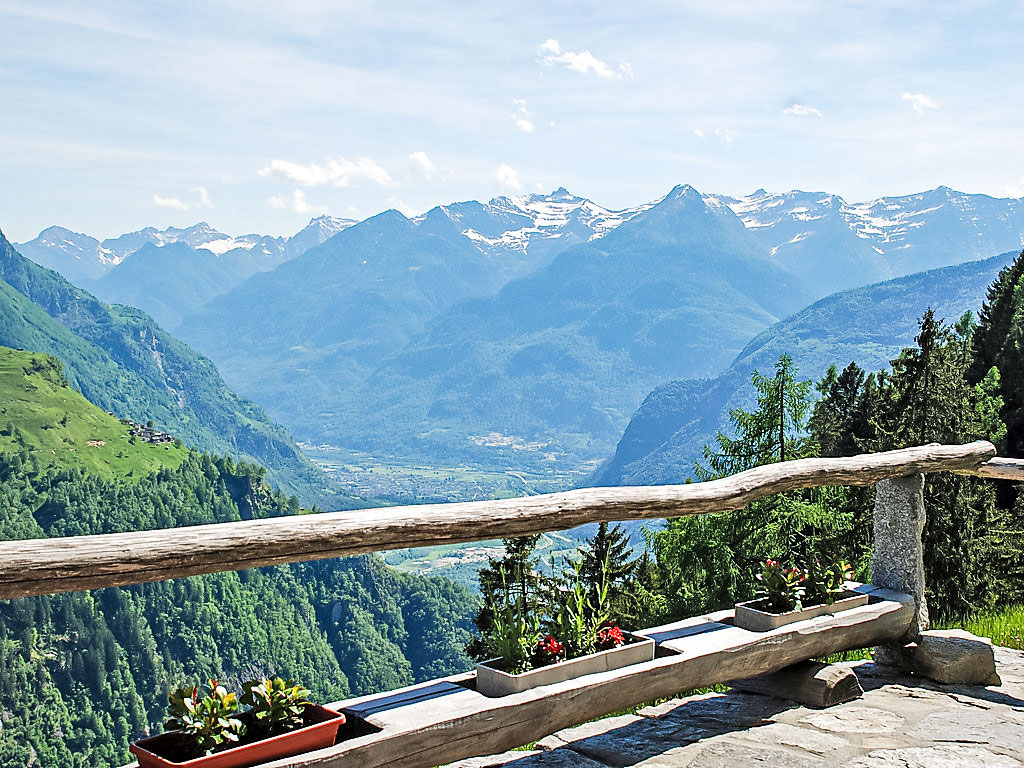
(275, 705)
(210, 721)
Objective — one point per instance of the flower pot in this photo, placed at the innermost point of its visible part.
(320, 730)
(753, 614)
(491, 681)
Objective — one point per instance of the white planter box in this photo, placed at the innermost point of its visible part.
(748, 615)
(493, 682)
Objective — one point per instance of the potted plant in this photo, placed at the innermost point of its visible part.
(209, 731)
(580, 639)
(792, 594)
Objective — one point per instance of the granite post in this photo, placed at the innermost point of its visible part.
(898, 561)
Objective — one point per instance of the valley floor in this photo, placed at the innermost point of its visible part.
(399, 481)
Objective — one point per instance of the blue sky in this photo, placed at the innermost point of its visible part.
(256, 117)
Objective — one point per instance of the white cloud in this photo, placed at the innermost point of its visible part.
(423, 165)
(521, 118)
(801, 110)
(725, 135)
(203, 196)
(202, 200)
(173, 203)
(920, 101)
(698, 133)
(336, 171)
(508, 176)
(583, 61)
(295, 202)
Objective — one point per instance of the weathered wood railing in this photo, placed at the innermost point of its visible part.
(47, 566)
(445, 720)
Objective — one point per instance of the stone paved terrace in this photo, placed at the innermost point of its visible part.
(900, 722)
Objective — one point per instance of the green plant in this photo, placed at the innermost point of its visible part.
(578, 618)
(824, 584)
(276, 705)
(782, 588)
(514, 631)
(210, 721)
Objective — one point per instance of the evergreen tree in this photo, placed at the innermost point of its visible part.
(928, 398)
(607, 559)
(707, 561)
(774, 431)
(514, 574)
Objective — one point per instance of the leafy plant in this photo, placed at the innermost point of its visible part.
(514, 631)
(782, 588)
(578, 615)
(824, 584)
(276, 706)
(209, 721)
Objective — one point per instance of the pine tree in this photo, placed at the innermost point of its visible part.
(928, 398)
(999, 342)
(607, 559)
(514, 575)
(707, 561)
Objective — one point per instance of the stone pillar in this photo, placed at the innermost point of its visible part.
(898, 562)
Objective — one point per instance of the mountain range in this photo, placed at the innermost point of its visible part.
(83, 259)
(125, 363)
(867, 325)
(526, 330)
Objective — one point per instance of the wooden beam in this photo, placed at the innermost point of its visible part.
(47, 566)
(997, 468)
(446, 720)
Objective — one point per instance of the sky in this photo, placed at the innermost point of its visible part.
(258, 116)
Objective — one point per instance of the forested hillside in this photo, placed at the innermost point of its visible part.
(868, 325)
(84, 673)
(125, 363)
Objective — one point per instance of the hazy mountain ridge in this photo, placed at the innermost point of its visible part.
(836, 245)
(868, 325)
(83, 259)
(558, 359)
(123, 362)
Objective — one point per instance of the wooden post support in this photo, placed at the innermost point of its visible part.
(898, 561)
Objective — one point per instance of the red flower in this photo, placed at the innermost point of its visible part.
(550, 646)
(610, 637)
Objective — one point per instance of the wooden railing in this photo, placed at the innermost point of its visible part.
(448, 719)
(48, 566)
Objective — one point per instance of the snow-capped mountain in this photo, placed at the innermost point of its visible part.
(528, 230)
(83, 259)
(80, 258)
(834, 244)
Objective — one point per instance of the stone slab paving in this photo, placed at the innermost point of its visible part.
(900, 722)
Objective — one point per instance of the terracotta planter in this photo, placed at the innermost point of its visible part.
(320, 731)
(751, 614)
(491, 681)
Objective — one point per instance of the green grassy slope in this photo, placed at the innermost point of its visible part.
(125, 363)
(40, 413)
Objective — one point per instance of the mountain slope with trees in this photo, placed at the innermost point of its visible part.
(868, 325)
(122, 361)
(85, 673)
